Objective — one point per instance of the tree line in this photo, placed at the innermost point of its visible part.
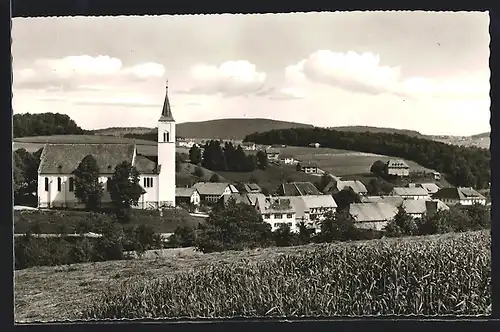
(227, 157)
(239, 226)
(464, 166)
(44, 124)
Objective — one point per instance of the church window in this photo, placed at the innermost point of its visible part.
(108, 184)
(59, 184)
(46, 184)
(71, 184)
(148, 182)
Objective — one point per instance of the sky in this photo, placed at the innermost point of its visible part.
(424, 71)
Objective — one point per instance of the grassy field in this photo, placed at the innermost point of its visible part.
(271, 177)
(342, 162)
(52, 221)
(446, 274)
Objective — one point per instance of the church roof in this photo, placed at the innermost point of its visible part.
(145, 165)
(65, 158)
(166, 114)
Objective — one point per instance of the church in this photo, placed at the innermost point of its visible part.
(157, 173)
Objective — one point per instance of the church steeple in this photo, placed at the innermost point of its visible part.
(166, 114)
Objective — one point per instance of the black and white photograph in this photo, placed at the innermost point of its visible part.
(286, 166)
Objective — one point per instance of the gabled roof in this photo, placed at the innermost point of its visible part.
(430, 187)
(280, 204)
(212, 188)
(251, 187)
(420, 206)
(299, 189)
(144, 165)
(166, 114)
(392, 200)
(356, 185)
(316, 201)
(184, 192)
(252, 197)
(237, 197)
(308, 164)
(371, 212)
(397, 163)
(410, 191)
(460, 193)
(65, 158)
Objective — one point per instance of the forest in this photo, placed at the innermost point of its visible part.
(463, 166)
(44, 124)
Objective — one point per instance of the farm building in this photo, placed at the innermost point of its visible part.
(298, 189)
(185, 143)
(460, 195)
(396, 167)
(417, 208)
(56, 185)
(410, 192)
(395, 201)
(336, 185)
(187, 195)
(315, 145)
(314, 209)
(249, 146)
(373, 216)
(310, 168)
(431, 188)
(211, 192)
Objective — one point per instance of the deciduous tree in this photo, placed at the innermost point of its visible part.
(88, 189)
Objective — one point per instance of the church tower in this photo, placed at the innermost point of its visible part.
(166, 155)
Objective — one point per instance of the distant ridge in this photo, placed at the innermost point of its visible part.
(482, 135)
(362, 129)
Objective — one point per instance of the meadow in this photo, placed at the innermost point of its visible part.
(441, 274)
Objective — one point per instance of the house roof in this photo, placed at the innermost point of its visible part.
(420, 206)
(286, 156)
(460, 193)
(393, 200)
(410, 191)
(249, 187)
(239, 198)
(144, 165)
(280, 204)
(299, 189)
(166, 113)
(272, 150)
(397, 163)
(430, 187)
(184, 192)
(309, 164)
(316, 201)
(356, 185)
(371, 212)
(65, 158)
(252, 197)
(212, 188)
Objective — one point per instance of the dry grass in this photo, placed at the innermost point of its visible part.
(454, 269)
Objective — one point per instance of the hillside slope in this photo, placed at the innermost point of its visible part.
(362, 129)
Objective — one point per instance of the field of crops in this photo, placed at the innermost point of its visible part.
(443, 275)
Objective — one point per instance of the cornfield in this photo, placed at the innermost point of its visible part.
(438, 275)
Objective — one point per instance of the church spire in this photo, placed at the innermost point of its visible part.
(166, 114)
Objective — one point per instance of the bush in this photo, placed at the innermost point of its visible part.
(184, 236)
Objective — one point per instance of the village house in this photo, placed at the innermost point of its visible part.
(287, 159)
(431, 188)
(410, 192)
(436, 175)
(335, 185)
(245, 198)
(374, 216)
(417, 208)
(273, 155)
(396, 167)
(314, 208)
(460, 195)
(315, 145)
(310, 168)
(187, 196)
(298, 189)
(211, 192)
(185, 143)
(278, 211)
(56, 183)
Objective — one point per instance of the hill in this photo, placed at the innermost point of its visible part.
(121, 131)
(482, 135)
(363, 129)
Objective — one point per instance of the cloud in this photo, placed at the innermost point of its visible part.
(364, 73)
(129, 102)
(82, 72)
(231, 78)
